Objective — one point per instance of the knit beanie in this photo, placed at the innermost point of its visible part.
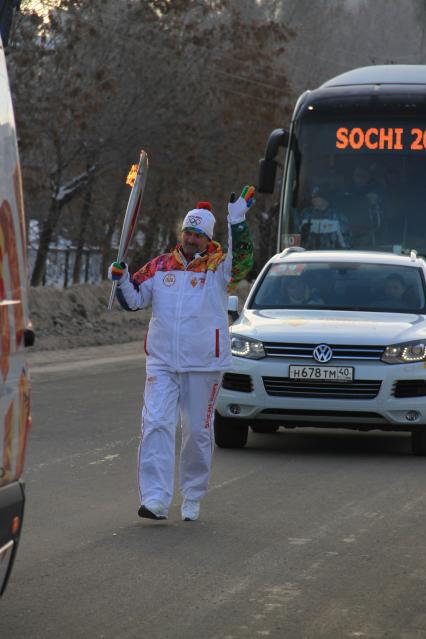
(200, 220)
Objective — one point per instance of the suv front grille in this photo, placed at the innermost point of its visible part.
(304, 351)
(237, 382)
(286, 387)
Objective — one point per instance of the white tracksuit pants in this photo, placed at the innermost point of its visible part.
(167, 395)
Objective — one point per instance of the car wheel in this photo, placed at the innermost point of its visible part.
(229, 432)
(418, 442)
(265, 428)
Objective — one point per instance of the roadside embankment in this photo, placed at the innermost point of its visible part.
(78, 317)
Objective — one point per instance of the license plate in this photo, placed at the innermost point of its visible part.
(322, 373)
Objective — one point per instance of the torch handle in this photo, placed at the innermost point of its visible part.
(111, 297)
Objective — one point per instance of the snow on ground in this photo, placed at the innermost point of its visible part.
(78, 317)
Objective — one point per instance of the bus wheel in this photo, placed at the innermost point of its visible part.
(229, 432)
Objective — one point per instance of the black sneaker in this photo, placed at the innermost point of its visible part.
(154, 510)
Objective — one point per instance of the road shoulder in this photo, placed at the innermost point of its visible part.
(84, 357)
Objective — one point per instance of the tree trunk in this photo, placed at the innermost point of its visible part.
(84, 219)
(46, 236)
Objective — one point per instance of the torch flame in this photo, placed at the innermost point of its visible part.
(130, 180)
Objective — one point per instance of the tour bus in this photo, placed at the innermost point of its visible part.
(355, 163)
(15, 334)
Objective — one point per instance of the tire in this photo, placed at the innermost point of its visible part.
(418, 442)
(265, 428)
(229, 432)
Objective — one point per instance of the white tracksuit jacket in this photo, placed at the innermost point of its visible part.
(188, 330)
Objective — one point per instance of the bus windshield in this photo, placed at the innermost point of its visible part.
(356, 183)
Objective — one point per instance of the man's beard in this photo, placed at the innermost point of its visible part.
(190, 249)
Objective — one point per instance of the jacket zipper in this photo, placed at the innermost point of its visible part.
(186, 265)
(178, 322)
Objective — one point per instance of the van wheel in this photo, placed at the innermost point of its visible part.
(229, 432)
(418, 442)
(265, 428)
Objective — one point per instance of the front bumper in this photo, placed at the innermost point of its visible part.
(385, 411)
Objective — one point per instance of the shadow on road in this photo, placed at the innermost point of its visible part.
(332, 442)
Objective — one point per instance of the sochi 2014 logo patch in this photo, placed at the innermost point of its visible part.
(169, 279)
(195, 220)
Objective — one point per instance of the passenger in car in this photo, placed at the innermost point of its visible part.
(396, 293)
(300, 292)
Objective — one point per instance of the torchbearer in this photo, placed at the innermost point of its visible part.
(187, 349)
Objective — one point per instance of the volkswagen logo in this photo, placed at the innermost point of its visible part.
(322, 353)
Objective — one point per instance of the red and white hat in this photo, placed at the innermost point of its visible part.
(200, 219)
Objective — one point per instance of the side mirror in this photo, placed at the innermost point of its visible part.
(233, 307)
(267, 175)
(29, 337)
(268, 164)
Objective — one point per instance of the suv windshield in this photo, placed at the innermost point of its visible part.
(341, 286)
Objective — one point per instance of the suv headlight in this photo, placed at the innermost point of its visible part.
(245, 347)
(405, 353)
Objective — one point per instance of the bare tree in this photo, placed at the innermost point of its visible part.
(197, 85)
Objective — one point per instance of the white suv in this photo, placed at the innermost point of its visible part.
(330, 339)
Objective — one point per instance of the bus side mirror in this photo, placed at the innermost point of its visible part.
(267, 175)
(233, 307)
(268, 164)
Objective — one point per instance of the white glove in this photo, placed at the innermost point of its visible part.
(118, 272)
(237, 209)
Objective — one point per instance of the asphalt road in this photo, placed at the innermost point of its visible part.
(303, 534)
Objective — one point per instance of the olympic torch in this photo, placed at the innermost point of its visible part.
(137, 180)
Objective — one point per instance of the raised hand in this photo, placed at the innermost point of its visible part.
(248, 195)
(117, 271)
(237, 209)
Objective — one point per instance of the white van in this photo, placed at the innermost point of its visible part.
(15, 334)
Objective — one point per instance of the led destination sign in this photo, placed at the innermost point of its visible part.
(381, 138)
